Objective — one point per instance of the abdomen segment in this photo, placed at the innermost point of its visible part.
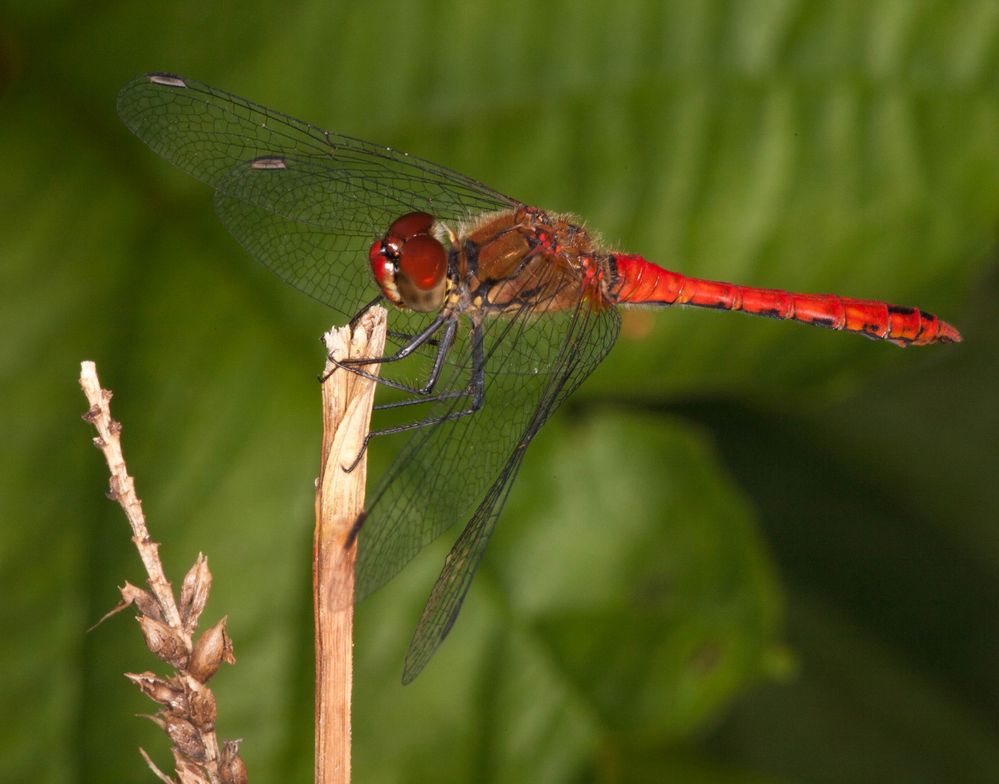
(640, 282)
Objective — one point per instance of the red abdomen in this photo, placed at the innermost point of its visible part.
(640, 282)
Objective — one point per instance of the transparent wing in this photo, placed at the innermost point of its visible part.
(463, 469)
(345, 192)
(309, 259)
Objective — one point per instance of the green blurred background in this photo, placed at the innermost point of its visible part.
(745, 551)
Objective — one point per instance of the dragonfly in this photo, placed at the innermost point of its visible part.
(503, 307)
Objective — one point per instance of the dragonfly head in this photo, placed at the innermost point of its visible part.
(410, 264)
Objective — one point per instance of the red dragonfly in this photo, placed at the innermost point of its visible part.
(503, 308)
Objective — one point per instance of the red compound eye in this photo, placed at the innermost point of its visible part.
(423, 260)
(376, 257)
(411, 224)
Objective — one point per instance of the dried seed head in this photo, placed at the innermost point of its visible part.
(142, 599)
(232, 769)
(212, 648)
(164, 642)
(188, 772)
(202, 709)
(167, 693)
(186, 739)
(194, 593)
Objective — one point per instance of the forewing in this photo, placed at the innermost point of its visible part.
(329, 183)
(311, 259)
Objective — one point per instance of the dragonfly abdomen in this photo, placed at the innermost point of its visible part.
(640, 282)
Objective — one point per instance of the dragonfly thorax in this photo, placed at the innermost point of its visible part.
(410, 264)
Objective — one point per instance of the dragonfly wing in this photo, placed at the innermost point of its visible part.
(206, 132)
(442, 472)
(460, 565)
(317, 181)
(307, 257)
(587, 336)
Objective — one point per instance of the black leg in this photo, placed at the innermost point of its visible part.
(475, 390)
(443, 346)
(357, 316)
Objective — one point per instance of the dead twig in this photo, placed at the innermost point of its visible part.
(347, 400)
(187, 706)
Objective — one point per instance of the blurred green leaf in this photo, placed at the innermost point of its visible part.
(627, 624)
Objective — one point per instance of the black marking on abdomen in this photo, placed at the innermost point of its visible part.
(615, 275)
(899, 310)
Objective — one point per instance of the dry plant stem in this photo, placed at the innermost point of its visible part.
(347, 401)
(123, 488)
(187, 706)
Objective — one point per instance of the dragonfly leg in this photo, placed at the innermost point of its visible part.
(403, 336)
(475, 390)
(355, 529)
(426, 337)
(364, 309)
(414, 401)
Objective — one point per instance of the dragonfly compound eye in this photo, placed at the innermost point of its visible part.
(422, 273)
(384, 259)
(410, 264)
(423, 262)
(411, 224)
